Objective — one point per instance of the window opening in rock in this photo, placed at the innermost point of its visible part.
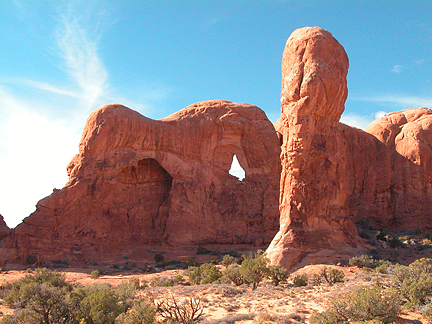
(236, 169)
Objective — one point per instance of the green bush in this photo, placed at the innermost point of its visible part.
(300, 280)
(202, 250)
(234, 274)
(414, 282)
(143, 312)
(227, 260)
(95, 274)
(277, 274)
(362, 261)
(204, 274)
(362, 304)
(332, 275)
(44, 296)
(254, 270)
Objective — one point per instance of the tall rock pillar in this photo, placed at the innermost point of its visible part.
(314, 185)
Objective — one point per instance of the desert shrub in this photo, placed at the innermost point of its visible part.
(101, 303)
(227, 260)
(179, 280)
(99, 308)
(185, 311)
(95, 274)
(158, 257)
(394, 242)
(202, 250)
(382, 235)
(277, 274)
(204, 274)
(19, 295)
(362, 304)
(300, 280)
(414, 282)
(366, 261)
(162, 282)
(234, 274)
(143, 312)
(361, 261)
(43, 304)
(316, 279)
(332, 275)
(254, 270)
(224, 280)
(326, 317)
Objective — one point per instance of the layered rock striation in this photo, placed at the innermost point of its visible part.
(139, 181)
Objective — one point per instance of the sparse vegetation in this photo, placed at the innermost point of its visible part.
(185, 311)
(44, 296)
(204, 274)
(301, 280)
(332, 275)
(362, 304)
(95, 274)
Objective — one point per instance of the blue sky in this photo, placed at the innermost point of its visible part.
(62, 59)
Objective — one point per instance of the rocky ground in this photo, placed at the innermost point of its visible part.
(226, 302)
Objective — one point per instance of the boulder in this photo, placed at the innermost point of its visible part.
(138, 181)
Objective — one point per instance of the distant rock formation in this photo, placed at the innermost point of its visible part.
(314, 181)
(139, 181)
(390, 173)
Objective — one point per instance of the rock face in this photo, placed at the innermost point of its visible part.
(390, 174)
(4, 229)
(314, 183)
(139, 181)
(333, 174)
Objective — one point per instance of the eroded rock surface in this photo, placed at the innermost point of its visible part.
(333, 174)
(139, 181)
(314, 181)
(390, 174)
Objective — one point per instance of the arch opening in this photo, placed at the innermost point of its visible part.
(236, 169)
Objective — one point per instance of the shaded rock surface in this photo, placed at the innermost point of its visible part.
(139, 181)
(390, 172)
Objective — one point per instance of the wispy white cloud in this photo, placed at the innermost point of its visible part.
(35, 147)
(405, 101)
(80, 54)
(397, 69)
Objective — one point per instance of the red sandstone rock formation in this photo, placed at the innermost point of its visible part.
(390, 174)
(4, 229)
(139, 181)
(314, 181)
